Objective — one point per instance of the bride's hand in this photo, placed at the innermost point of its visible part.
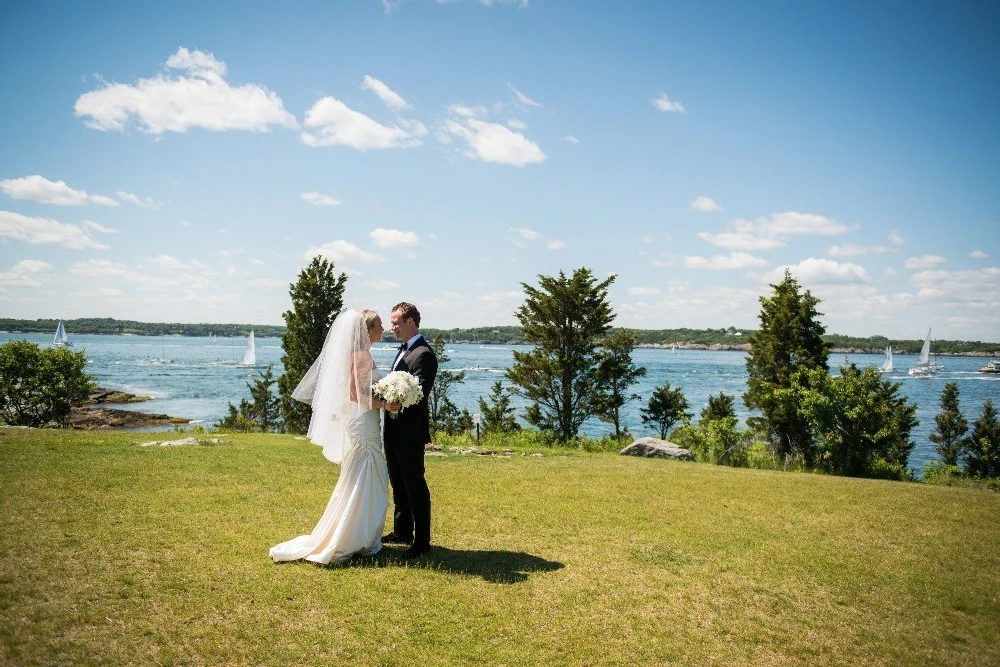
(393, 407)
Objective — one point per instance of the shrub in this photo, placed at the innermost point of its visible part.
(39, 386)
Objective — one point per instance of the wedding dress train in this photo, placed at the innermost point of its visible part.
(355, 516)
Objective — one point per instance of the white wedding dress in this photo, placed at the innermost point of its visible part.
(355, 516)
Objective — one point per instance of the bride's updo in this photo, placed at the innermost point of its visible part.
(368, 316)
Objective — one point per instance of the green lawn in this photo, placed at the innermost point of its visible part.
(114, 553)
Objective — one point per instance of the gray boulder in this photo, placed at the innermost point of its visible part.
(654, 448)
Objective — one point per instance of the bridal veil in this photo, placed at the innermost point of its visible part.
(338, 384)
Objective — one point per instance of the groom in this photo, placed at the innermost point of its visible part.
(406, 435)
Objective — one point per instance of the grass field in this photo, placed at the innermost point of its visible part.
(114, 553)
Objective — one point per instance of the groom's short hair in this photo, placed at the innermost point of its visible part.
(408, 310)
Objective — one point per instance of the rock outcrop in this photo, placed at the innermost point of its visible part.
(654, 448)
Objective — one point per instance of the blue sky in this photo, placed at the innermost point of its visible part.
(183, 161)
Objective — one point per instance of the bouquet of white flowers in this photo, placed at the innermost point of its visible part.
(399, 387)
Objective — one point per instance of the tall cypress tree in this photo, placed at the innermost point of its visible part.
(317, 299)
(789, 340)
(565, 319)
(951, 426)
(614, 375)
(982, 447)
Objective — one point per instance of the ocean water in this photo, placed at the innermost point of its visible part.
(196, 378)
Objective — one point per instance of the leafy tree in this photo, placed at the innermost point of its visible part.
(614, 374)
(719, 407)
(260, 414)
(860, 420)
(789, 340)
(565, 319)
(666, 407)
(982, 447)
(441, 408)
(39, 386)
(317, 299)
(498, 414)
(951, 428)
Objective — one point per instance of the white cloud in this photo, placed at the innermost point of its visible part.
(735, 260)
(394, 238)
(924, 262)
(381, 283)
(108, 293)
(772, 231)
(40, 189)
(333, 123)
(516, 124)
(490, 142)
(384, 93)
(813, 271)
(571, 139)
(317, 199)
(198, 97)
(97, 227)
(978, 289)
(100, 267)
(978, 254)
(895, 238)
(148, 203)
(27, 273)
(705, 205)
(391, 5)
(846, 250)
(342, 251)
(664, 103)
(523, 99)
(555, 245)
(643, 291)
(256, 262)
(523, 233)
(45, 231)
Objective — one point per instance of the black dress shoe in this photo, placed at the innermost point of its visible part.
(416, 550)
(393, 538)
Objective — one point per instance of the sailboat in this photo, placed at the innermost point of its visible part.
(925, 366)
(60, 339)
(250, 353)
(886, 366)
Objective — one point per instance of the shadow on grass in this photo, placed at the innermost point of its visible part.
(500, 567)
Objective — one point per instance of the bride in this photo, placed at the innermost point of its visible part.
(345, 422)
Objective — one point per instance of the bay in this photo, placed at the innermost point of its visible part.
(197, 377)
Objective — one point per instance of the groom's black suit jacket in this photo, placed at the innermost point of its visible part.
(413, 423)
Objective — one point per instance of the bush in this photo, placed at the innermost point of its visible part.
(39, 386)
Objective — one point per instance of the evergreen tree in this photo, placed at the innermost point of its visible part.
(498, 414)
(666, 407)
(441, 408)
(861, 420)
(38, 387)
(317, 298)
(565, 319)
(260, 414)
(615, 373)
(789, 339)
(719, 407)
(982, 447)
(951, 428)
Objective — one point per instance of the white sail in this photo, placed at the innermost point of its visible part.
(924, 366)
(60, 339)
(886, 366)
(250, 354)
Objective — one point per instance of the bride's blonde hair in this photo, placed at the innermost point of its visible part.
(368, 316)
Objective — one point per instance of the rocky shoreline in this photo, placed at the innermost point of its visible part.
(95, 413)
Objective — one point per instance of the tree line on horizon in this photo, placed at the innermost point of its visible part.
(504, 335)
(579, 367)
